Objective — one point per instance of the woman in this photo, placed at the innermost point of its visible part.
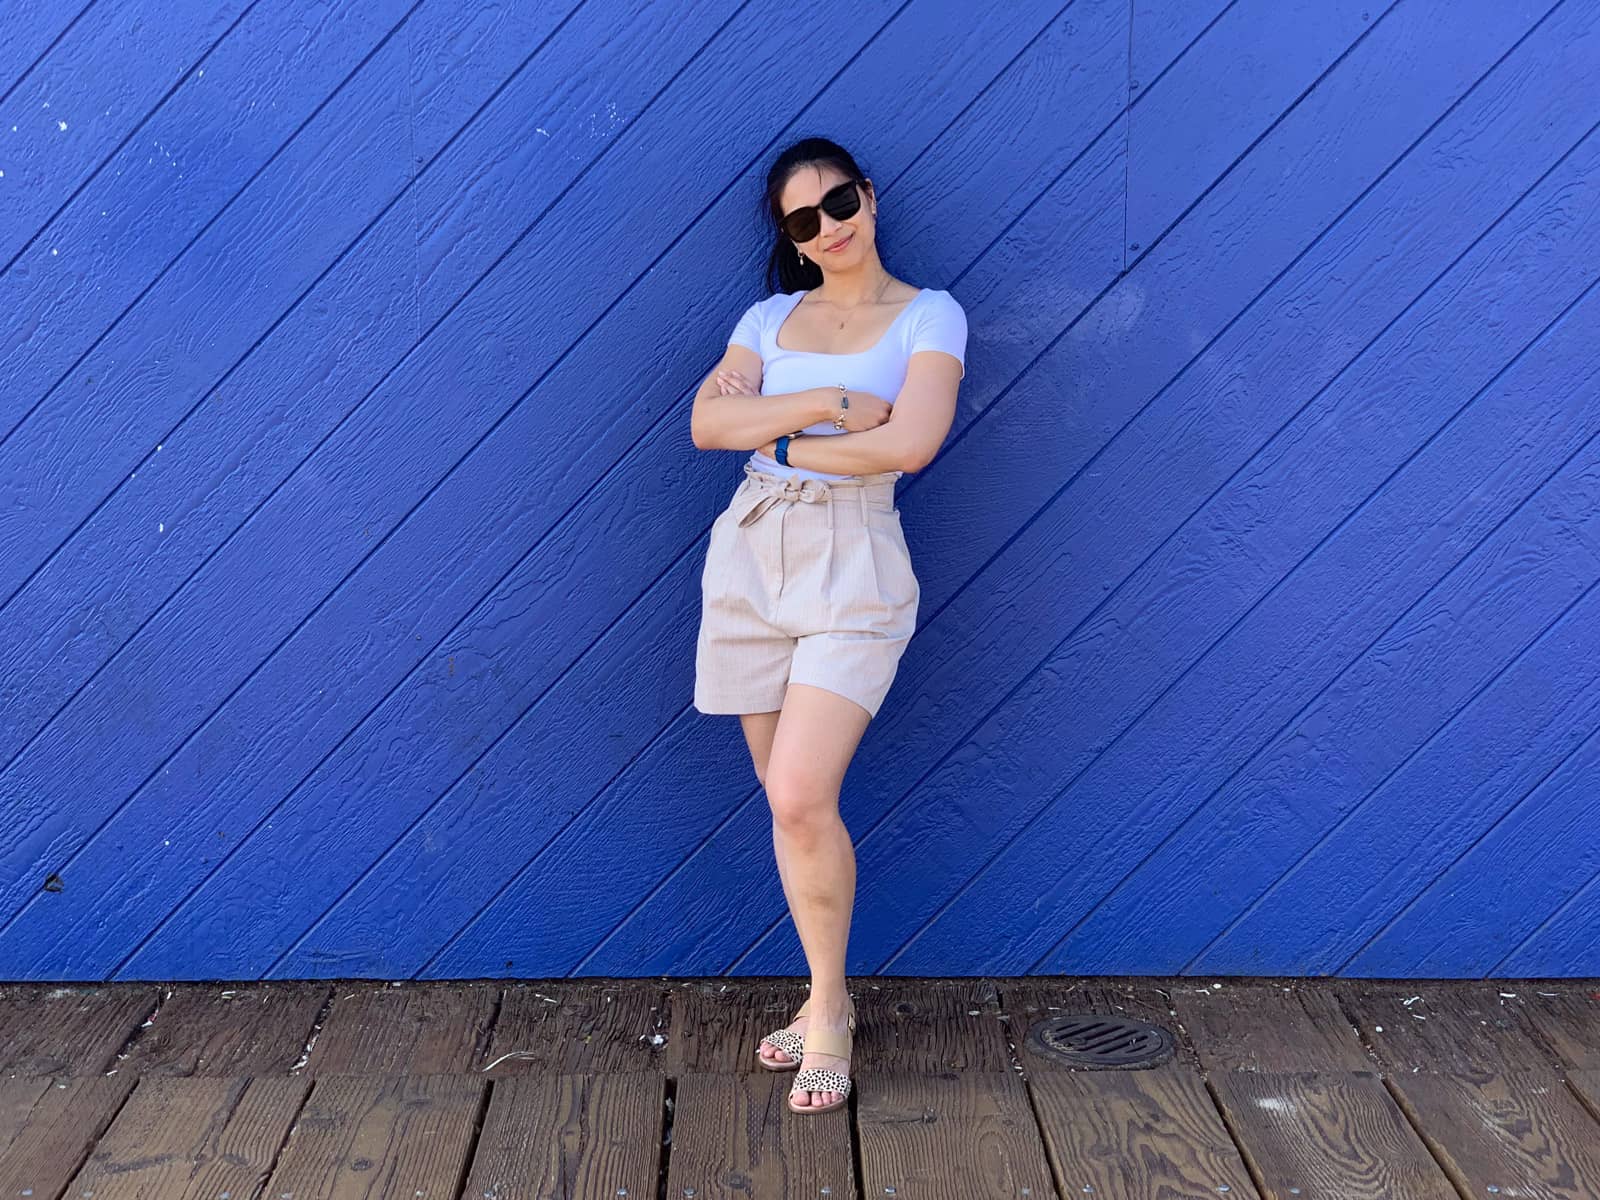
(808, 593)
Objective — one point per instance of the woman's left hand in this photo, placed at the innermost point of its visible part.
(770, 449)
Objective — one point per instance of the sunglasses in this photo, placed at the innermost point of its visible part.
(841, 202)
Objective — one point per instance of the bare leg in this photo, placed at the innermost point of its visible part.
(759, 730)
(815, 738)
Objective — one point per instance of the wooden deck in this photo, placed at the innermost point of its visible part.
(646, 1090)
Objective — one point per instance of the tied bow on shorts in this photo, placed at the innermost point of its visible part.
(762, 491)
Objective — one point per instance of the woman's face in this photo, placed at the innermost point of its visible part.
(808, 186)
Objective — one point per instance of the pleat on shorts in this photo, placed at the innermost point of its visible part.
(805, 581)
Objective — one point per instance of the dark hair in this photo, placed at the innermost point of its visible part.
(785, 271)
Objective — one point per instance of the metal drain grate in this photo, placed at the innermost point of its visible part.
(1102, 1042)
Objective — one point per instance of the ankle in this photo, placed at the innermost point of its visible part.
(834, 1009)
(832, 1002)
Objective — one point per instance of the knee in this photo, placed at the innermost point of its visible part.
(800, 799)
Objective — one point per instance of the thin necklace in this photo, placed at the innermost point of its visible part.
(881, 289)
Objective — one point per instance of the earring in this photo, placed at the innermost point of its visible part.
(798, 255)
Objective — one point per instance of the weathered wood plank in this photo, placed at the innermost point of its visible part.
(246, 1029)
(47, 1127)
(910, 1024)
(716, 1025)
(939, 1133)
(1137, 1135)
(192, 1139)
(1268, 1026)
(1442, 1025)
(1567, 1017)
(732, 1135)
(579, 1026)
(1586, 1086)
(570, 1135)
(69, 1030)
(1517, 1134)
(363, 1135)
(411, 1029)
(1327, 1133)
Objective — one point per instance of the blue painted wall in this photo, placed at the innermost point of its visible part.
(350, 529)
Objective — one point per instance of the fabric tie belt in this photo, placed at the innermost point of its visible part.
(762, 491)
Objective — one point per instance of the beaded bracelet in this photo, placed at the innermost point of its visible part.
(844, 403)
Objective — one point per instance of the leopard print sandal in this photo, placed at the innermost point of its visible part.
(817, 1079)
(791, 1043)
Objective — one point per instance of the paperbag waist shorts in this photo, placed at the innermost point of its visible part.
(805, 581)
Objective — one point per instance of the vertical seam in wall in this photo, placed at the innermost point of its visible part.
(413, 169)
(1127, 136)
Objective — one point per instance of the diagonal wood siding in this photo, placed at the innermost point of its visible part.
(350, 530)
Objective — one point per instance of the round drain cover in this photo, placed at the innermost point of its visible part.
(1100, 1042)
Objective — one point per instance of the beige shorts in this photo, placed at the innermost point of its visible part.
(805, 581)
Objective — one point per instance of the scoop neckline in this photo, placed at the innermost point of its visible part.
(801, 294)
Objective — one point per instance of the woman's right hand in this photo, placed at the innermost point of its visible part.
(734, 384)
(866, 410)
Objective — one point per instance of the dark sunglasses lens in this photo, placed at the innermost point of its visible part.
(802, 226)
(844, 201)
(804, 223)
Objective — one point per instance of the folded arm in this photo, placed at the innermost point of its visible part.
(918, 424)
(743, 422)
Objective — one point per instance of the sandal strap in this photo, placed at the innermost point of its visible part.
(826, 1041)
(787, 1040)
(816, 1079)
(794, 1044)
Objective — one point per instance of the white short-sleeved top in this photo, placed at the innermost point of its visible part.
(931, 320)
